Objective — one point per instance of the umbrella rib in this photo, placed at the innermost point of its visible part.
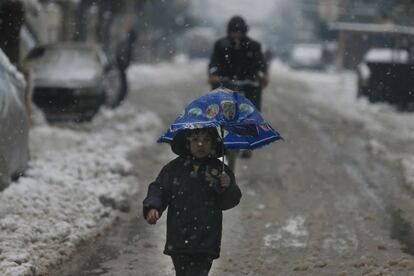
(229, 143)
(263, 140)
(200, 122)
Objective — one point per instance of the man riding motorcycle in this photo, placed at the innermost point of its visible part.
(237, 63)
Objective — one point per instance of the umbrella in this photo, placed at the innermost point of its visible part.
(240, 124)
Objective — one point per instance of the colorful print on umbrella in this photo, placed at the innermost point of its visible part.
(229, 111)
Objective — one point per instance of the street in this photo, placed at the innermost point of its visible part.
(88, 87)
(328, 200)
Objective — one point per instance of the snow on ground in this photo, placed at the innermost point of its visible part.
(336, 90)
(339, 91)
(78, 178)
(291, 234)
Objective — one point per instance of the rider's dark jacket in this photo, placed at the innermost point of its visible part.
(237, 61)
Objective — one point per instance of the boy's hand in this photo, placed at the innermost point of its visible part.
(152, 216)
(264, 80)
(224, 180)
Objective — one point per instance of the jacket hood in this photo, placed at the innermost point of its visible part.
(180, 145)
(237, 24)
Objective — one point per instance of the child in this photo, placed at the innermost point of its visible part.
(196, 191)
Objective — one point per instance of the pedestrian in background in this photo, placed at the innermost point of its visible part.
(124, 52)
(238, 58)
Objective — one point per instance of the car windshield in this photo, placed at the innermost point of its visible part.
(68, 63)
(307, 52)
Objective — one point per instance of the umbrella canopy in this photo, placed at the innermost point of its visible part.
(240, 123)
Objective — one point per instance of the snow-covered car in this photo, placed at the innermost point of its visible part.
(386, 75)
(14, 123)
(306, 56)
(71, 81)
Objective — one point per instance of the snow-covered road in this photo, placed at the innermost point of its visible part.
(332, 199)
(318, 205)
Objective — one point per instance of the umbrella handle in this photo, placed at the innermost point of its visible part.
(222, 146)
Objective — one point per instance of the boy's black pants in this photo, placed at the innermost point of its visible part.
(192, 265)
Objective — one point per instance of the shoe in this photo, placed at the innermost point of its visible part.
(246, 154)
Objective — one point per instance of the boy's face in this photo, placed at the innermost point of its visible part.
(201, 144)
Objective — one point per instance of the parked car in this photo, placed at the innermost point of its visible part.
(14, 123)
(71, 81)
(306, 56)
(387, 75)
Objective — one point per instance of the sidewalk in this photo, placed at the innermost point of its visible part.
(79, 178)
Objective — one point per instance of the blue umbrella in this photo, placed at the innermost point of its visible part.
(239, 122)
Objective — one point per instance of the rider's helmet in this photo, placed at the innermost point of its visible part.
(237, 24)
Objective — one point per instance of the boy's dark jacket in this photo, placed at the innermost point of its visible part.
(243, 62)
(195, 203)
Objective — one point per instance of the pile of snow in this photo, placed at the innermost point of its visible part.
(77, 181)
